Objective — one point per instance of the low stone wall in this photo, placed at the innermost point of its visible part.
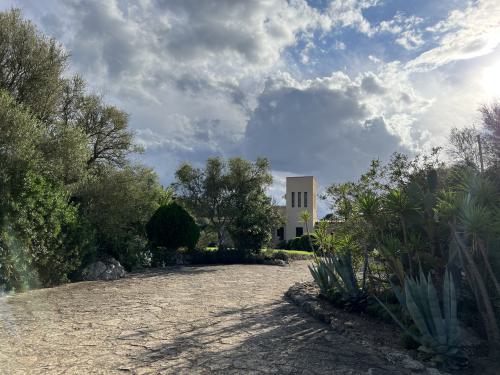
(357, 328)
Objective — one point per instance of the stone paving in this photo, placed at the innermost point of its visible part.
(229, 319)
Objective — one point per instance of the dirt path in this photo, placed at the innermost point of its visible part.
(193, 320)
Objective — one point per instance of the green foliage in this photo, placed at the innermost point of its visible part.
(223, 256)
(106, 128)
(31, 65)
(172, 227)
(119, 203)
(252, 228)
(336, 279)
(39, 228)
(301, 243)
(321, 276)
(56, 135)
(230, 196)
(439, 328)
(42, 241)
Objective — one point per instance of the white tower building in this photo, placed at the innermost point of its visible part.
(300, 196)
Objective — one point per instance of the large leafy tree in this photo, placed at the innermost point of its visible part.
(230, 195)
(31, 65)
(106, 128)
(119, 203)
(37, 221)
(63, 147)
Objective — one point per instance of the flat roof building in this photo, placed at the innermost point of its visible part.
(300, 196)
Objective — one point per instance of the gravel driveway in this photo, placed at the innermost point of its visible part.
(229, 319)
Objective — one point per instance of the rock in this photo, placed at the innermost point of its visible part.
(337, 326)
(405, 361)
(411, 364)
(109, 269)
(280, 262)
(349, 324)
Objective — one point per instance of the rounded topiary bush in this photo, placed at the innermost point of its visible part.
(172, 227)
(301, 243)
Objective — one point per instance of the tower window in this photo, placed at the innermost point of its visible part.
(305, 198)
(299, 199)
(299, 231)
(293, 199)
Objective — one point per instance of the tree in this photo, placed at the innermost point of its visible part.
(70, 148)
(224, 191)
(171, 227)
(106, 128)
(252, 229)
(42, 238)
(465, 146)
(31, 65)
(119, 203)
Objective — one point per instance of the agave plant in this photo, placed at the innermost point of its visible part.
(321, 276)
(336, 279)
(471, 210)
(440, 332)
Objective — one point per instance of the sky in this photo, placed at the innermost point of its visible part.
(319, 87)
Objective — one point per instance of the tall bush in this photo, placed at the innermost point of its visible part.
(170, 228)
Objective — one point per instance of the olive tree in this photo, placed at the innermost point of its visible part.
(230, 195)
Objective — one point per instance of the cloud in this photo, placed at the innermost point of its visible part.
(349, 13)
(464, 34)
(407, 29)
(324, 127)
(316, 86)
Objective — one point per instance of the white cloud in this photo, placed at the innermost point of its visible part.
(349, 13)
(183, 68)
(331, 126)
(215, 77)
(407, 30)
(465, 34)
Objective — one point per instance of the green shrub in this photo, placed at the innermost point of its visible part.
(118, 204)
(41, 240)
(223, 256)
(337, 281)
(172, 227)
(279, 255)
(282, 245)
(301, 243)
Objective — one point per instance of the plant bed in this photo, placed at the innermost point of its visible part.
(226, 256)
(383, 336)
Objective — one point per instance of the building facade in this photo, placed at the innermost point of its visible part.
(300, 196)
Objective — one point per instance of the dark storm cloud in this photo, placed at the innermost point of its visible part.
(101, 40)
(214, 27)
(322, 131)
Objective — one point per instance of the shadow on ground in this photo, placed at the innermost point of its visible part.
(156, 272)
(267, 338)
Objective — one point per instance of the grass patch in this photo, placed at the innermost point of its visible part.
(298, 252)
(288, 254)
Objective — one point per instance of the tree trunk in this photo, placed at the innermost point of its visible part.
(487, 264)
(365, 266)
(220, 239)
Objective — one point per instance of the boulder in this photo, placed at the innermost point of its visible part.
(108, 269)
